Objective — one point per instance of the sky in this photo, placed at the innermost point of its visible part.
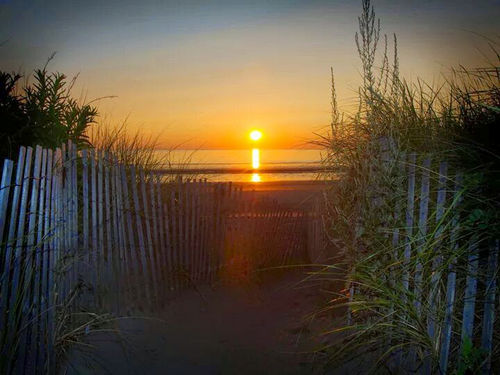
(202, 74)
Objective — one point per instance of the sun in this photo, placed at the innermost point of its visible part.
(255, 135)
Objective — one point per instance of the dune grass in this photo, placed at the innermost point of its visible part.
(136, 148)
(457, 121)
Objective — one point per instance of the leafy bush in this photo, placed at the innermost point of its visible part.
(43, 113)
(15, 129)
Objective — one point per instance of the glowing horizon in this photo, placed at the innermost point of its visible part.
(186, 71)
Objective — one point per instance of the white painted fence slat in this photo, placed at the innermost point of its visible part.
(470, 292)
(451, 282)
(489, 306)
(410, 207)
(28, 264)
(45, 292)
(100, 249)
(94, 227)
(5, 187)
(421, 239)
(149, 247)
(52, 257)
(75, 233)
(141, 258)
(436, 264)
(131, 267)
(162, 233)
(422, 230)
(85, 206)
(117, 244)
(16, 285)
(174, 215)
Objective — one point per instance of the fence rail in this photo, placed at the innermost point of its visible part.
(81, 232)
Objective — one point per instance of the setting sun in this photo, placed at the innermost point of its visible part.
(255, 135)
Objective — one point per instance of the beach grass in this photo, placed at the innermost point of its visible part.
(456, 121)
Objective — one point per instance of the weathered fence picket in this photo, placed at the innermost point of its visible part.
(434, 290)
(80, 231)
(27, 260)
(451, 282)
(470, 292)
(489, 306)
(4, 197)
(410, 207)
(467, 283)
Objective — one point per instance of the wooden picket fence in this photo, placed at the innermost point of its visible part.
(455, 301)
(81, 232)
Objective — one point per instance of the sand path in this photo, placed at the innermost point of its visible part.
(256, 328)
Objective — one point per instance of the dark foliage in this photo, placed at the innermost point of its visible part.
(14, 122)
(43, 113)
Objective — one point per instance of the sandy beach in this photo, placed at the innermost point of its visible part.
(272, 327)
(266, 324)
(293, 194)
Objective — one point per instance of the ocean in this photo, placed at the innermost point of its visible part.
(240, 165)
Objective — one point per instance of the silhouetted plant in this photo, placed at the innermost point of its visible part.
(42, 113)
(14, 130)
(54, 116)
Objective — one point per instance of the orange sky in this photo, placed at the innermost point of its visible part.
(204, 74)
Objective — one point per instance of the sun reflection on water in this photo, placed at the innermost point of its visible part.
(255, 158)
(256, 177)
